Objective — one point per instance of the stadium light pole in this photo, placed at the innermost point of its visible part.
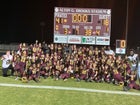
(126, 27)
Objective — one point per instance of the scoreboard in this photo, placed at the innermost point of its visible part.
(82, 25)
(120, 46)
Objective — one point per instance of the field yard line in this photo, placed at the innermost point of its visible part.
(71, 88)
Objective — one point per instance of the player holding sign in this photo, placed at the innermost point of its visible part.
(7, 63)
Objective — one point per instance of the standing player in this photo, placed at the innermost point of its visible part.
(7, 63)
(134, 63)
(134, 59)
(138, 72)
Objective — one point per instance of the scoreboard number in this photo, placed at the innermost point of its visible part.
(88, 32)
(120, 43)
(56, 27)
(81, 18)
(98, 32)
(105, 22)
(66, 31)
(75, 31)
(60, 20)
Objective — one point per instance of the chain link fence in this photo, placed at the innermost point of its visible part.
(4, 47)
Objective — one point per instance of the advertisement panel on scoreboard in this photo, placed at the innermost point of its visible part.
(74, 39)
(88, 40)
(102, 40)
(83, 25)
(60, 39)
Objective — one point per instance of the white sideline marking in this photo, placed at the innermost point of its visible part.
(70, 88)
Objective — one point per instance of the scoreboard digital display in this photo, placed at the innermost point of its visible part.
(82, 25)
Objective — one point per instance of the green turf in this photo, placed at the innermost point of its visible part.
(27, 96)
(68, 83)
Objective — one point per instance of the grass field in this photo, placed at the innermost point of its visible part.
(26, 96)
(31, 96)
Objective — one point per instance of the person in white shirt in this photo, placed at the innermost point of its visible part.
(138, 72)
(109, 51)
(134, 59)
(7, 63)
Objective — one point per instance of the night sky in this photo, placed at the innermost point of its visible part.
(22, 21)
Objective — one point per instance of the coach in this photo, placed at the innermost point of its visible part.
(7, 63)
